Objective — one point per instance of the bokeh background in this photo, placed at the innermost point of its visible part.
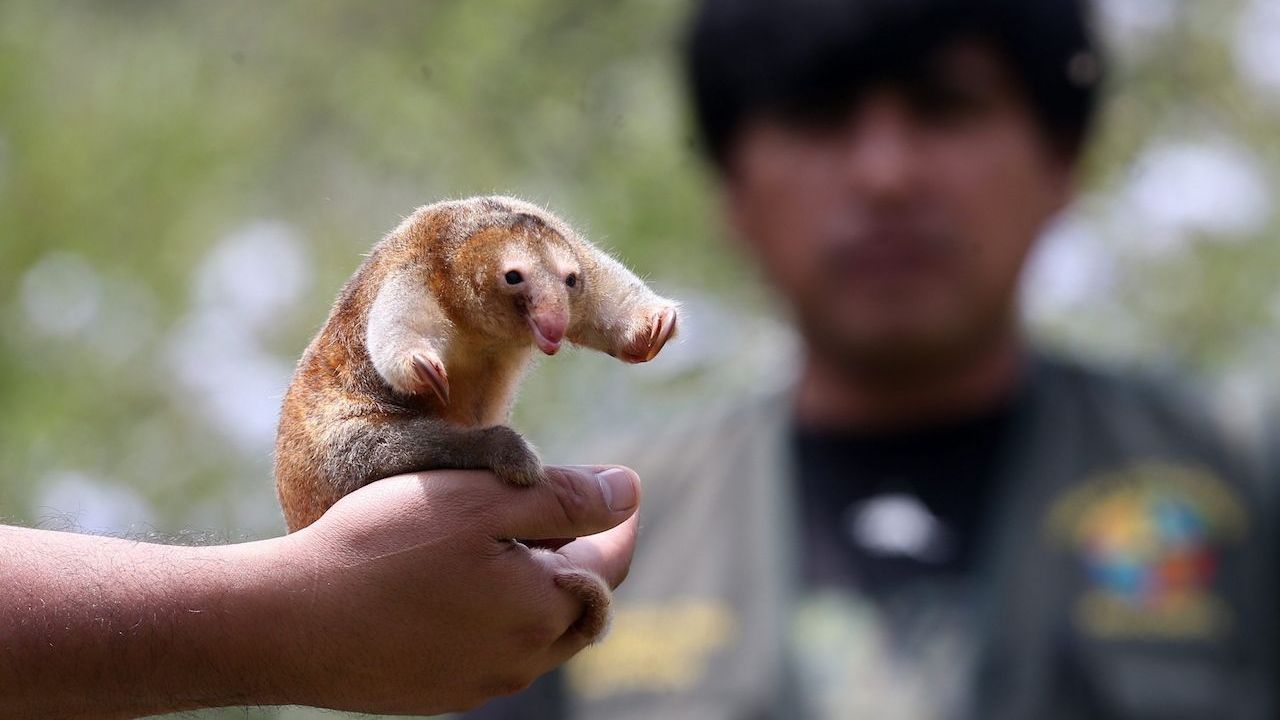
(184, 186)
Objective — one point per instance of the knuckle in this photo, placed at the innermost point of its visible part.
(479, 524)
(574, 501)
(558, 565)
(464, 508)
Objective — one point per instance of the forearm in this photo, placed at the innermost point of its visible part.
(404, 598)
(106, 627)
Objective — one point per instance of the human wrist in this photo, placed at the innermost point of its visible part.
(265, 594)
(288, 598)
(139, 628)
(221, 627)
(218, 630)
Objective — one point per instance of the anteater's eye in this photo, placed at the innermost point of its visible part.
(571, 280)
(514, 277)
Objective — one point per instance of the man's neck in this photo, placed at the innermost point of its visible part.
(833, 397)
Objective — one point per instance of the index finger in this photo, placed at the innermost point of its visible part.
(608, 554)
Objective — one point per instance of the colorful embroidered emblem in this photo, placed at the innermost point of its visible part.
(1148, 537)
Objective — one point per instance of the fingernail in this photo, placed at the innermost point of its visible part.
(618, 486)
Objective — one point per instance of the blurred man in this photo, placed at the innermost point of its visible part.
(937, 520)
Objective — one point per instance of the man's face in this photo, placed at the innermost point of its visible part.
(897, 231)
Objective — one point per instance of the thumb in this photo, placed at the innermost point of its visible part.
(575, 501)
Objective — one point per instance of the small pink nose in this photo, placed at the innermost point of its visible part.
(552, 322)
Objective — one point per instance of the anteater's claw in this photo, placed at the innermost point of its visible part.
(430, 372)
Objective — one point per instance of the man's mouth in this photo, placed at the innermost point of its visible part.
(889, 256)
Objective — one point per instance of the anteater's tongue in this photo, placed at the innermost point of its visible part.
(548, 331)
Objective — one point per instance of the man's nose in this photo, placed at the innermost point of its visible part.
(882, 152)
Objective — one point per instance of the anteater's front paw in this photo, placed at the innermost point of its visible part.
(513, 459)
(419, 371)
(657, 326)
(428, 371)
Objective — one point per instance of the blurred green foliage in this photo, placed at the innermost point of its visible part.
(1205, 297)
(136, 137)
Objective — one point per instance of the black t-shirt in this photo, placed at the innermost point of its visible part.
(880, 511)
(891, 524)
(931, 486)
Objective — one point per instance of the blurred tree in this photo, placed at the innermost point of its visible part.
(184, 186)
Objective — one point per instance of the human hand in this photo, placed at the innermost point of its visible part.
(409, 595)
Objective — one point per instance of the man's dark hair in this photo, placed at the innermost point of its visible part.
(811, 59)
